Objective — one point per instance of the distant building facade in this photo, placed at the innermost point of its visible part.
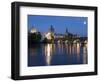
(50, 35)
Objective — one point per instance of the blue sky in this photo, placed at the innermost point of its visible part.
(75, 25)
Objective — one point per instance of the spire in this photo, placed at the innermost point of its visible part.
(66, 30)
(51, 29)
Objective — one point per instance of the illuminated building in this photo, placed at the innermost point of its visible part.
(33, 30)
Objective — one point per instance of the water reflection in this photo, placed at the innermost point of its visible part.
(48, 53)
(78, 49)
(57, 54)
(85, 54)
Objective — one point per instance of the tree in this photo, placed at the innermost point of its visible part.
(34, 37)
(45, 40)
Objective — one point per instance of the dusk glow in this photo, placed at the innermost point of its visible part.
(57, 40)
(75, 25)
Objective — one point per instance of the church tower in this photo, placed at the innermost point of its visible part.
(66, 31)
(51, 29)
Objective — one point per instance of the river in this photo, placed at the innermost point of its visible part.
(57, 54)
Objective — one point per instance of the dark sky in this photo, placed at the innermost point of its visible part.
(75, 25)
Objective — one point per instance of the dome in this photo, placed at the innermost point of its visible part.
(33, 30)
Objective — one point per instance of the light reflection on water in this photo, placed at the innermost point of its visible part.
(57, 54)
(48, 53)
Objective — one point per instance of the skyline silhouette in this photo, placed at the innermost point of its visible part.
(75, 25)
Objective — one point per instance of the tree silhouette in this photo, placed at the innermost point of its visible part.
(34, 37)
